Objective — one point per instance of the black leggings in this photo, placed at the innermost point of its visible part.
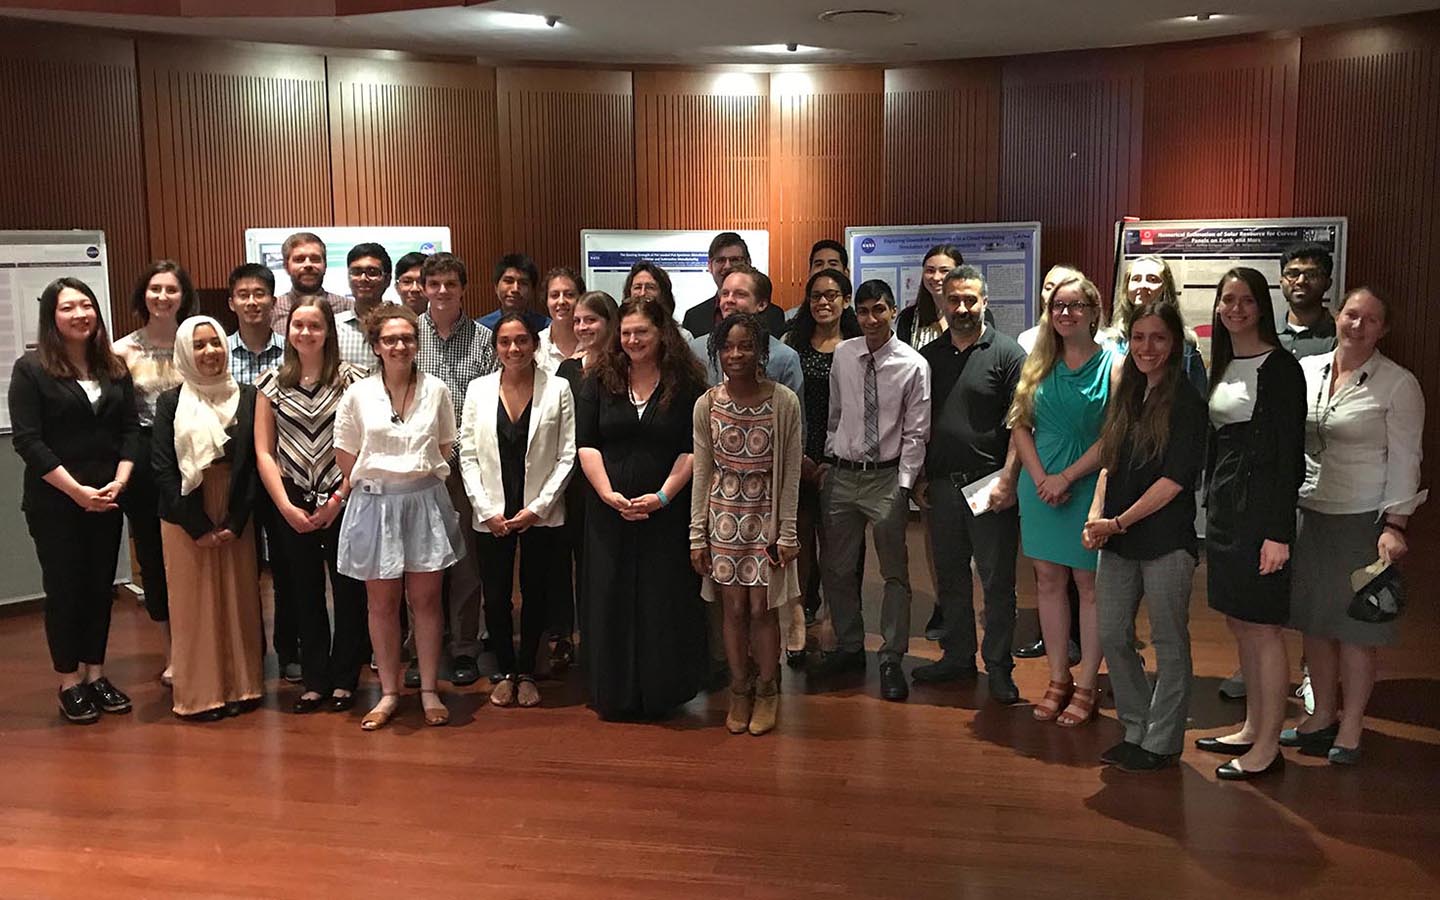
(544, 583)
(140, 502)
(77, 552)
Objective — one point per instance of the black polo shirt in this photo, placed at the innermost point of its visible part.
(1172, 527)
(1302, 342)
(970, 394)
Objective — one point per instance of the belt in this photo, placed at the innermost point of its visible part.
(409, 486)
(863, 466)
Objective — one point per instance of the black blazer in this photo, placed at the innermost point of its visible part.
(1274, 467)
(189, 511)
(700, 319)
(55, 425)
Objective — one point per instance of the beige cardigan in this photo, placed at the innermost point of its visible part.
(787, 446)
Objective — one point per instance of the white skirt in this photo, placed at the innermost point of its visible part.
(389, 530)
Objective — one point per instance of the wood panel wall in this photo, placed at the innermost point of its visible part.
(71, 153)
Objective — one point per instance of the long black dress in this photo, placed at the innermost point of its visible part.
(645, 622)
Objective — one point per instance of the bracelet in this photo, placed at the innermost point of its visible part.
(1399, 528)
(664, 500)
(1119, 529)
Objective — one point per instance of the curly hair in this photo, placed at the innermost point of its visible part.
(680, 371)
(384, 313)
(758, 334)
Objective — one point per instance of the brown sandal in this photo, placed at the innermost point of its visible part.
(1083, 704)
(434, 715)
(1054, 700)
(380, 716)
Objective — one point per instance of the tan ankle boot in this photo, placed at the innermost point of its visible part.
(767, 707)
(741, 703)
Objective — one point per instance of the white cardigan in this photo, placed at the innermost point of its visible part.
(549, 454)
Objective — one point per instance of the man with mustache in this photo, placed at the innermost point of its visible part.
(304, 255)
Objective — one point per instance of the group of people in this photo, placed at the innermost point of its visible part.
(683, 495)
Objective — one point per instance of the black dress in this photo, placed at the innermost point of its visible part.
(1253, 474)
(645, 624)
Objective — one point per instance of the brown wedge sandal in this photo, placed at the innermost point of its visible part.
(1081, 708)
(1054, 700)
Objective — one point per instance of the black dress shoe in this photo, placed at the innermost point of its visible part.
(341, 704)
(305, 705)
(464, 672)
(1215, 745)
(209, 715)
(108, 697)
(1118, 753)
(1142, 760)
(1002, 687)
(78, 706)
(232, 709)
(947, 668)
(1072, 651)
(1231, 770)
(893, 685)
(1311, 743)
(1030, 651)
(935, 628)
(795, 659)
(246, 706)
(839, 662)
(412, 676)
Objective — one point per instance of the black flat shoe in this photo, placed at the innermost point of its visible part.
(1030, 651)
(1142, 760)
(1231, 770)
(838, 662)
(795, 659)
(108, 697)
(247, 706)
(77, 705)
(947, 668)
(935, 628)
(893, 685)
(1312, 743)
(341, 704)
(1215, 745)
(305, 705)
(1119, 753)
(1002, 687)
(209, 715)
(232, 709)
(465, 672)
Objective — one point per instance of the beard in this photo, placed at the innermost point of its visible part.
(965, 324)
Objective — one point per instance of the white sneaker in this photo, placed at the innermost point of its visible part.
(1306, 692)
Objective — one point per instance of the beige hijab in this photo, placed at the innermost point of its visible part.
(207, 406)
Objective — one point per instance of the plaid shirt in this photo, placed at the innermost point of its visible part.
(246, 365)
(280, 315)
(467, 354)
(354, 348)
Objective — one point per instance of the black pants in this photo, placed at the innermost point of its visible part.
(77, 552)
(140, 503)
(992, 540)
(300, 562)
(542, 577)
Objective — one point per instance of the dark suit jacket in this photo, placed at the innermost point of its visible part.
(55, 425)
(189, 511)
(700, 319)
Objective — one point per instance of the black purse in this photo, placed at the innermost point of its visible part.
(1379, 593)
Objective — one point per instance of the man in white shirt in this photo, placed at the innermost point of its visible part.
(368, 267)
(875, 446)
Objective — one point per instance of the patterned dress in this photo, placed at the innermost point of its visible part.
(740, 491)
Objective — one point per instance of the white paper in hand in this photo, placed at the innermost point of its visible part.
(978, 492)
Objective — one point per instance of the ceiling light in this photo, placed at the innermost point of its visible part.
(785, 48)
(522, 21)
(859, 16)
(1204, 17)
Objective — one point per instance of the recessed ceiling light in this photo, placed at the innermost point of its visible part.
(1203, 17)
(859, 16)
(785, 48)
(522, 21)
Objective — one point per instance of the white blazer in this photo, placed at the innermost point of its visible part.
(549, 455)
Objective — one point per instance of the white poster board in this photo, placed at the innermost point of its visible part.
(1008, 253)
(1200, 251)
(30, 260)
(262, 245)
(684, 255)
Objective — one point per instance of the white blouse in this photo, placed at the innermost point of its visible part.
(1233, 400)
(389, 451)
(1362, 444)
(547, 355)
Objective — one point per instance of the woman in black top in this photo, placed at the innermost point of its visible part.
(72, 413)
(1255, 463)
(921, 322)
(1142, 519)
(645, 629)
(824, 320)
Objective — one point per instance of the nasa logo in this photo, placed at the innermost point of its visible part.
(428, 247)
(92, 252)
(868, 245)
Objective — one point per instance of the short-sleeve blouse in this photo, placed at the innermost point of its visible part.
(389, 451)
(305, 427)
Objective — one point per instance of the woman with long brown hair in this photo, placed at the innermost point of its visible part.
(645, 629)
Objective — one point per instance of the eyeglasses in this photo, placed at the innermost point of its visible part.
(829, 296)
(728, 260)
(397, 340)
(1302, 274)
(1061, 309)
(371, 272)
(407, 281)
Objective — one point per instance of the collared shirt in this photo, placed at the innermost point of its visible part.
(1312, 340)
(467, 354)
(783, 366)
(902, 378)
(972, 393)
(280, 315)
(389, 451)
(354, 346)
(1362, 443)
(246, 365)
(539, 320)
(547, 355)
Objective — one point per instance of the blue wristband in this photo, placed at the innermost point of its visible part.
(664, 500)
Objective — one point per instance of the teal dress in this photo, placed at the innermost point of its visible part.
(1069, 411)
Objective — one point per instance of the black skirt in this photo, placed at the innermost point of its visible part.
(1232, 540)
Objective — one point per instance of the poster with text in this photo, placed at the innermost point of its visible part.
(684, 255)
(262, 245)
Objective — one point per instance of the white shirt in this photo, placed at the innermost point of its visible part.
(547, 355)
(1233, 400)
(91, 387)
(387, 451)
(1026, 340)
(1362, 444)
(902, 379)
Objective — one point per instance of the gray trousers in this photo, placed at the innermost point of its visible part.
(993, 541)
(1154, 717)
(849, 501)
(462, 580)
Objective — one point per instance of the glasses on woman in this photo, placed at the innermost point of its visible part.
(1061, 309)
(392, 341)
(829, 296)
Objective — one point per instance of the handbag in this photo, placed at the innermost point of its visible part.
(1379, 593)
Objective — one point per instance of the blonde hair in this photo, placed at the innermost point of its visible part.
(1122, 308)
(1048, 348)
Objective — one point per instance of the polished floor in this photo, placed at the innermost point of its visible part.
(946, 796)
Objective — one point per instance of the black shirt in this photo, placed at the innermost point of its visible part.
(1318, 338)
(512, 439)
(1172, 527)
(970, 394)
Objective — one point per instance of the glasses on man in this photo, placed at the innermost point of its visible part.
(828, 296)
(1061, 309)
(1293, 275)
(728, 260)
(391, 341)
(373, 273)
(407, 282)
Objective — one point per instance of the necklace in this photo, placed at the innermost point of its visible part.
(395, 417)
(636, 398)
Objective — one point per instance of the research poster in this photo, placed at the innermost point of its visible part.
(262, 245)
(30, 260)
(1201, 251)
(684, 255)
(1007, 252)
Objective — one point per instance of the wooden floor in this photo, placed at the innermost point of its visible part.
(945, 796)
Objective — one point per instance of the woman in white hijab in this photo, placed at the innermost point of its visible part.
(204, 457)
